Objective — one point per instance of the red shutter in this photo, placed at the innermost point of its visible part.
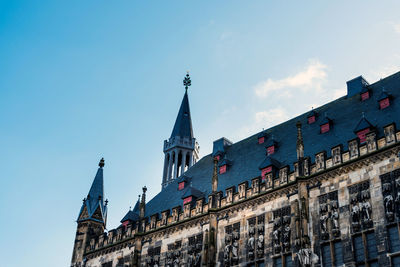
(364, 96)
(187, 200)
(325, 128)
(181, 185)
(270, 150)
(311, 119)
(222, 169)
(261, 140)
(384, 103)
(217, 157)
(125, 223)
(362, 135)
(265, 171)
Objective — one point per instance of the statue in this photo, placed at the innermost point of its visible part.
(260, 246)
(388, 201)
(235, 251)
(355, 214)
(323, 220)
(366, 210)
(227, 251)
(250, 245)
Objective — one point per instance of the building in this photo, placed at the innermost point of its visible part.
(321, 189)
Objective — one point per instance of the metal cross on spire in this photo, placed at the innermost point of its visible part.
(187, 82)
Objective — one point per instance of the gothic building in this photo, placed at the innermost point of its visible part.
(321, 189)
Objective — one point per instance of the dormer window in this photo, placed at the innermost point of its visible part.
(271, 150)
(365, 96)
(217, 157)
(222, 169)
(187, 200)
(311, 117)
(325, 127)
(384, 99)
(181, 185)
(362, 135)
(261, 140)
(384, 103)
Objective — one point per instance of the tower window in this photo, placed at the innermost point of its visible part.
(325, 128)
(364, 96)
(270, 150)
(187, 200)
(362, 135)
(311, 119)
(384, 103)
(222, 169)
(181, 185)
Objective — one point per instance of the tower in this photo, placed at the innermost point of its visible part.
(91, 219)
(181, 149)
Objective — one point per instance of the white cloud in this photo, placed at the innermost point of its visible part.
(309, 78)
(270, 117)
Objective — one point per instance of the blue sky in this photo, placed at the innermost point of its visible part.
(80, 80)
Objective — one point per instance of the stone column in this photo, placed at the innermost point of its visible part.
(191, 160)
(183, 162)
(165, 171)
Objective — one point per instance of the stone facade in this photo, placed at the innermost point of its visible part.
(258, 226)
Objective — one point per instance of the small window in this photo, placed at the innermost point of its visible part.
(217, 157)
(384, 103)
(358, 248)
(278, 262)
(338, 253)
(261, 140)
(362, 135)
(325, 128)
(222, 169)
(371, 246)
(396, 261)
(181, 185)
(187, 200)
(270, 150)
(311, 119)
(364, 96)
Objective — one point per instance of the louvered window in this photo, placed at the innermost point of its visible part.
(394, 241)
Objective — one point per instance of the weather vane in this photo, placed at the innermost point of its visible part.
(187, 82)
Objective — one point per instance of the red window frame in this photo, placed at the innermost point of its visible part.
(187, 200)
(364, 96)
(384, 103)
(265, 171)
(125, 223)
(222, 169)
(261, 140)
(181, 185)
(271, 150)
(311, 119)
(325, 127)
(217, 157)
(362, 135)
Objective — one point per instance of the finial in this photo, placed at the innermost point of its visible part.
(187, 82)
(138, 197)
(106, 202)
(144, 189)
(298, 124)
(101, 163)
(130, 208)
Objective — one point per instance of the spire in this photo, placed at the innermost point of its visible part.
(183, 123)
(94, 207)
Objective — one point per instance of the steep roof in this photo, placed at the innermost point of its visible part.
(183, 123)
(93, 207)
(247, 155)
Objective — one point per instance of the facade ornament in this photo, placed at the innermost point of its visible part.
(391, 195)
(360, 206)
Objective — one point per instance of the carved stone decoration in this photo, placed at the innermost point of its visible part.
(260, 238)
(174, 255)
(320, 161)
(353, 148)
(390, 136)
(281, 230)
(194, 250)
(153, 257)
(336, 155)
(307, 258)
(251, 239)
(231, 249)
(371, 141)
(329, 215)
(391, 194)
(235, 243)
(360, 206)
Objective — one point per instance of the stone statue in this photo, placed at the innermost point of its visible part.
(366, 210)
(335, 219)
(388, 201)
(227, 251)
(323, 220)
(355, 214)
(307, 258)
(235, 251)
(260, 246)
(250, 245)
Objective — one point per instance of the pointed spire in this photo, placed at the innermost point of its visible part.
(299, 143)
(94, 207)
(183, 123)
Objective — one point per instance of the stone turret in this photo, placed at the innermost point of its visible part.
(92, 218)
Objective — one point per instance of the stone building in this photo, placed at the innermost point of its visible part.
(321, 189)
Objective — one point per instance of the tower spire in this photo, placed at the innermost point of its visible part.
(181, 149)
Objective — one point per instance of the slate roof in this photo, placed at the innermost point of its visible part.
(95, 197)
(247, 154)
(133, 215)
(363, 124)
(183, 123)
